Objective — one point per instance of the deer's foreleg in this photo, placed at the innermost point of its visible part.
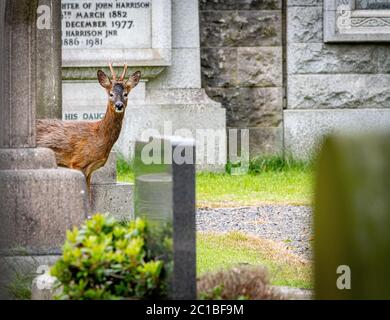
(88, 177)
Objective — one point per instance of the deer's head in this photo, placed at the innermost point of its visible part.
(118, 89)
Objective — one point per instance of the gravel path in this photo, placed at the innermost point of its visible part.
(288, 224)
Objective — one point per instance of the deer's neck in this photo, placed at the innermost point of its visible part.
(110, 127)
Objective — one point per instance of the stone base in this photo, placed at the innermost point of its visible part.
(304, 129)
(38, 206)
(27, 158)
(113, 198)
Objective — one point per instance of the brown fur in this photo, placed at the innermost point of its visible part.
(86, 146)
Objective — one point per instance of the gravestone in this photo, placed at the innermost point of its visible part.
(352, 221)
(39, 201)
(161, 39)
(165, 197)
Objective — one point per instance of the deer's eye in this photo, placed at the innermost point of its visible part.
(111, 95)
(125, 95)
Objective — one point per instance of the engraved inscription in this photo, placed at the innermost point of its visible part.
(114, 24)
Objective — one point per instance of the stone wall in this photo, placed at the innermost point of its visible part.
(241, 54)
(323, 77)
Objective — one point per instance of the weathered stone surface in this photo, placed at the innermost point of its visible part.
(304, 24)
(183, 73)
(305, 129)
(185, 31)
(260, 67)
(338, 91)
(27, 158)
(383, 59)
(113, 198)
(265, 141)
(250, 107)
(38, 206)
(18, 61)
(312, 58)
(240, 28)
(219, 67)
(49, 65)
(178, 96)
(240, 4)
(304, 3)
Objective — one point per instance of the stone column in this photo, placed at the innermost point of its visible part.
(39, 202)
(49, 65)
(18, 80)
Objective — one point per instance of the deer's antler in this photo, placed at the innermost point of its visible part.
(123, 73)
(112, 72)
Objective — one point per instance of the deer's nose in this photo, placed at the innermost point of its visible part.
(119, 106)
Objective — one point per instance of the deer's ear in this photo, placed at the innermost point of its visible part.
(104, 81)
(133, 81)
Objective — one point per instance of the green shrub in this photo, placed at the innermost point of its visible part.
(106, 259)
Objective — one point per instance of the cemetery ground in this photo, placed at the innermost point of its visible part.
(260, 218)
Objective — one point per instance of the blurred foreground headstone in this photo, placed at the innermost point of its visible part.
(352, 218)
(165, 196)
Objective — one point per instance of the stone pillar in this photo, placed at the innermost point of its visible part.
(18, 81)
(39, 201)
(49, 65)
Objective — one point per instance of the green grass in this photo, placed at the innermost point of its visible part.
(217, 251)
(124, 170)
(269, 180)
(221, 190)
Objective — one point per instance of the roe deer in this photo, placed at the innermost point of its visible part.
(86, 145)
